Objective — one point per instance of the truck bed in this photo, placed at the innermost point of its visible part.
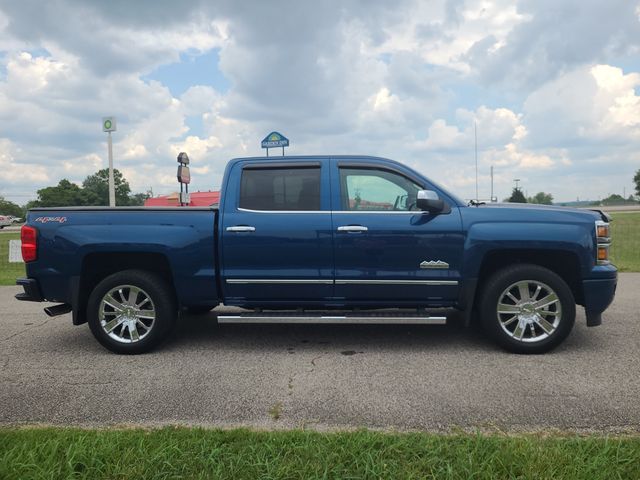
(81, 242)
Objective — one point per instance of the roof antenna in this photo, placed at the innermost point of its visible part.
(475, 135)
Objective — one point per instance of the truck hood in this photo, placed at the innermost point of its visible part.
(525, 207)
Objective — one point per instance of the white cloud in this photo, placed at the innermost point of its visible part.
(493, 128)
(592, 104)
(514, 157)
(13, 171)
(554, 38)
(442, 136)
(541, 80)
(617, 96)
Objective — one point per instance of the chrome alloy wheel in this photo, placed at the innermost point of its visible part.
(529, 311)
(127, 314)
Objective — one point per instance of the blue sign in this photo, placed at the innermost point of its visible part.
(275, 139)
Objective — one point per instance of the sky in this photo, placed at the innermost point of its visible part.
(552, 86)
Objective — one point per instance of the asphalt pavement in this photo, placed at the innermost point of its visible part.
(437, 378)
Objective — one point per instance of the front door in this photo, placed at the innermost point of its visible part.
(386, 251)
(276, 234)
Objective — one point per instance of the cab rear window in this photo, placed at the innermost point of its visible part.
(274, 189)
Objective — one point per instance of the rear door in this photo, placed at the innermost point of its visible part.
(276, 233)
(385, 250)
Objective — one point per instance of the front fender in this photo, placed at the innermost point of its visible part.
(490, 237)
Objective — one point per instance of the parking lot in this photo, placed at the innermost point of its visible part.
(282, 376)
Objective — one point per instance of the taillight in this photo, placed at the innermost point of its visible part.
(29, 239)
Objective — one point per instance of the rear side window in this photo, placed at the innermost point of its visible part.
(280, 189)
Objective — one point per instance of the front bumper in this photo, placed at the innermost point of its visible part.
(31, 290)
(599, 293)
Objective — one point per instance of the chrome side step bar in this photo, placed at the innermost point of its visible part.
(386, 318)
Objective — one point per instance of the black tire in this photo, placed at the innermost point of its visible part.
(162, 300)
(200, 309)
(560, 313)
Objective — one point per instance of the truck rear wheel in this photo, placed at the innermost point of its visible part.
(527, 309)
(131, 311)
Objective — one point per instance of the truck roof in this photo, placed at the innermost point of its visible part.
(289, 158)
(279, 158)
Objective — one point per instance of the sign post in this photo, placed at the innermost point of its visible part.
(184, 177)
(273, 140)
(109, 125)
(15, 251)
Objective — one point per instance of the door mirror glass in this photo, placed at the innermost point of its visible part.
(428, 201)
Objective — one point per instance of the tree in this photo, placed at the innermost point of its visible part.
(137, 199)
(636, 180)
(65, 194)
(541, 198)
(94, 191)
(96, 187)
(10, 208)
(613, 199)
(517, 196)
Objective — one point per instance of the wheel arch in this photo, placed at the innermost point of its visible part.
(563, 263)
(97, 266)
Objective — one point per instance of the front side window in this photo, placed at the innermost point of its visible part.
(280, 189)
(376, 190)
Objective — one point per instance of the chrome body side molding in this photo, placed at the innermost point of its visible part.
(396, 282)
(277, 281)
(338, 282)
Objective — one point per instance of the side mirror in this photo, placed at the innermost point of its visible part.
(428, 201)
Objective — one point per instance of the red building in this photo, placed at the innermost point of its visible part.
(198, 199)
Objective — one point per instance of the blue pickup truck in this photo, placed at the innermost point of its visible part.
(322, 239)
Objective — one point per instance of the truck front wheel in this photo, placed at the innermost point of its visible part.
(527, 308)
(131, 311)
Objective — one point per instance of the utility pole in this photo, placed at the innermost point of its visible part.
(516, 180)
(109, 125)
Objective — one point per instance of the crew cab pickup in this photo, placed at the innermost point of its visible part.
(324, 239)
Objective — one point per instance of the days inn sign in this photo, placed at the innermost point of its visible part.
(274, 140)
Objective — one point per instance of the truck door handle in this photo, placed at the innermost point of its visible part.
(241, 228)
(352, 228)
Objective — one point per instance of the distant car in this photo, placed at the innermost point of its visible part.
(5, 221)
(15, 219)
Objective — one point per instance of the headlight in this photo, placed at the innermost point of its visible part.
(602, 230)
(603, 239)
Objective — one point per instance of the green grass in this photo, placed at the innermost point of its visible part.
(9, 271)
(625, 246)
(174, 453)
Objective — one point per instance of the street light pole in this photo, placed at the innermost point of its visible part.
(112, 187)
(109, 125)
